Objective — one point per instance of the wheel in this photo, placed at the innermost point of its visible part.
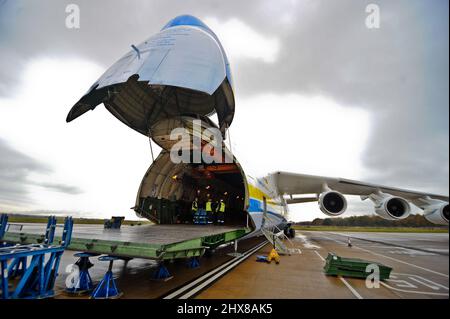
(291, 233)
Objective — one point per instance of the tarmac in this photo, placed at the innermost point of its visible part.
(420, 265)
(417, 273)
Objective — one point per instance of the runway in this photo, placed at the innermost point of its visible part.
(416, 273)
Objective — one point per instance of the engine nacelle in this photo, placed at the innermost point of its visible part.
(434, 210)
(437, 214)
(332, 203)
(390, 207)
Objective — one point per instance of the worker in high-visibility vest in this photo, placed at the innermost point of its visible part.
(221, 212)
(209, 211)
(194, 209)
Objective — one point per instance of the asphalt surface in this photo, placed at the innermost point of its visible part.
(417, 273)
(134, 278)
(420, 265)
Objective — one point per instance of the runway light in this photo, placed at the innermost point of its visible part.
(207, 187)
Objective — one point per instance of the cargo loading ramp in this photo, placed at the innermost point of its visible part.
(160, 242)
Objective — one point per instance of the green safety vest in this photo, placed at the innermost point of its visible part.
(222, 207)
(208, 206)
(194, 206)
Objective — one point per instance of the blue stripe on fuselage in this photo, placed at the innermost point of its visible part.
(257, 206)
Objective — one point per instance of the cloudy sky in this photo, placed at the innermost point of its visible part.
(317, 92)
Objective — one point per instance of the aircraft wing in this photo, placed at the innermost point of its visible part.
(295, 184)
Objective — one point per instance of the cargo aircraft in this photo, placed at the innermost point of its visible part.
(181, 75)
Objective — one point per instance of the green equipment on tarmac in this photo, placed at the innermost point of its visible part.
(354, 267)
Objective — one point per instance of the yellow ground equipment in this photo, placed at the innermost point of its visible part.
(273, 255)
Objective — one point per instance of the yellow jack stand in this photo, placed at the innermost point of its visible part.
(273, 256)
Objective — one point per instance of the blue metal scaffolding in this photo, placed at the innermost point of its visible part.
(3, 223)
(36, 279)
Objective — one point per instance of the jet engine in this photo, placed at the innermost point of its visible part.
(332, 203)
(390, 207)
(435, 211)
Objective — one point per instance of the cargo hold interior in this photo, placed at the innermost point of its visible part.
(168, 189)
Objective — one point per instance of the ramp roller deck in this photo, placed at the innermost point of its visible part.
(148, 241)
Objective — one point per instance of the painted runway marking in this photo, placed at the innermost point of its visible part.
(352, 290)
(424, 281)
(323, 259)
(306, 243)
(401, 283)
(200, 287)
(393, 244)
(395, 259)
(404, 251)
(414, 291)
(231, 264)
(409, 252)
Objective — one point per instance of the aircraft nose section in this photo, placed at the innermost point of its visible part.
(181, 70)
(185, 19)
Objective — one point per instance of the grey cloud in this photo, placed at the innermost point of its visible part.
(15, 168)
(68, 189)
(399, 73)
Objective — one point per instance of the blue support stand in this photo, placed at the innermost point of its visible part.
(107, 288)
(50, 230)
(161, 273)
(17, 267)
(38, 278)
(3, 223)
(193, 262)
(84, 284)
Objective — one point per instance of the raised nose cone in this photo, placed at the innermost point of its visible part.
(185, 20)
(183, 69)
